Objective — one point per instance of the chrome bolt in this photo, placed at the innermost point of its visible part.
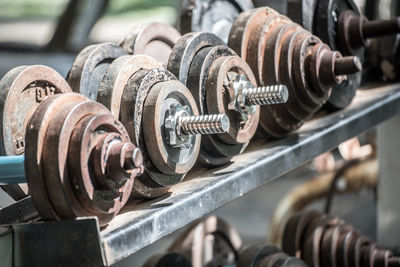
(180, 125)
(247, 96)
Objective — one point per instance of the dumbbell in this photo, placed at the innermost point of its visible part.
(79, 160)
(339, 23)
(279, 51)
(160, 116)
(214, 16)
(323, 240)
(267, 256)
(211, 242)
(22, 90)
(222, 82)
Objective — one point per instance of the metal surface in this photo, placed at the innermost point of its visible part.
(142, 223)
(214, 16)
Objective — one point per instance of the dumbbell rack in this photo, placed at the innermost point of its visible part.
(142, 223)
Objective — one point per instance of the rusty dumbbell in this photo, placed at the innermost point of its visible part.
(22, 90)
(281, 52)
(324, 240)
(339, 24)
(222, 82)
(160, 116)
(79, 160)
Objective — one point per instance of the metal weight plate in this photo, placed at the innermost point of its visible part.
(293, 234)
(21, 91)
(214, 150)
(89, 67)
(185, 50)
(253, 255)
(325, 27)
(168, 159)
(214, 16)
(219, 96)
(211, 242)
(171, 259)
(154, 39)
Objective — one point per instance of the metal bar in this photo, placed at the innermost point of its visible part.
(206, 190)
(12, 170)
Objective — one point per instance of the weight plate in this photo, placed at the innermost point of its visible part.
(214, 151)
(115, 79)
(220, 95)
(168, 159)
(154, 39)
(294, 232)
(133, 99)
(21, 91)
(253, 255)
(185, 50)
(325, 27)
(89, 67)
(214, 16)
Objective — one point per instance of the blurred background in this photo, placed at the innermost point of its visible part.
(53, 32)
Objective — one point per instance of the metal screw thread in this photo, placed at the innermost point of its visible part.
(266, 95)
(204, 124)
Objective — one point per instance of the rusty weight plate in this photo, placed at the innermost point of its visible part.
(185, 50)
(219, 94)
(22, 90)
(325, 27)
(253, 255)
(89, 67)
(214, 16)
(168, 159)
(154, 39)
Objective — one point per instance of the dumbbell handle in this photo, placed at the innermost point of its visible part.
(12, 170)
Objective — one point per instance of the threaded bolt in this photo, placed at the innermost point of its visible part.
(180, 125)
(204, 124)
(266, 95)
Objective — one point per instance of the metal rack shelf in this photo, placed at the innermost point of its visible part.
(144, 222)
